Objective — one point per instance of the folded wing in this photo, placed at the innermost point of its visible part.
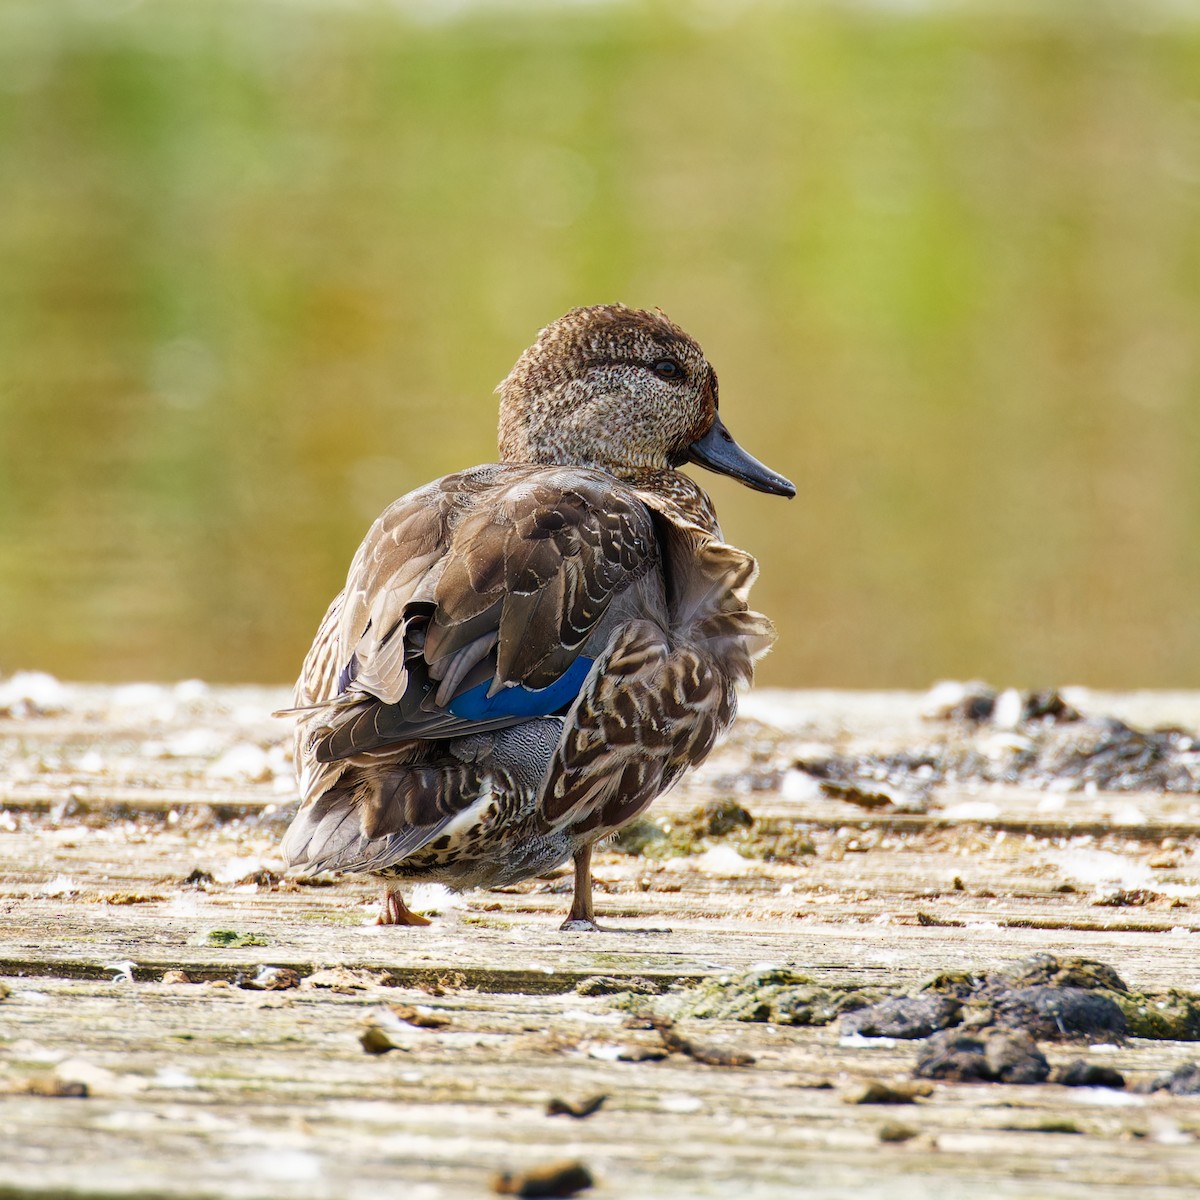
(470, 606)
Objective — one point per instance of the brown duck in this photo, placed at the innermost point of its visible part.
(526, 653)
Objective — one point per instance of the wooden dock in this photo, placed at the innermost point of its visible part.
(140, 890)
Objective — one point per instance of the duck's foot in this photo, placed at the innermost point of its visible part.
(583, 925)
(588, 925)
(396, 912)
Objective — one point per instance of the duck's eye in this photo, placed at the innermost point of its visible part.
(668, 368)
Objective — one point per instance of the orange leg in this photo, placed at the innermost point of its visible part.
(395, 911)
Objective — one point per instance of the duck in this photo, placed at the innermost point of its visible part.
(527, 653)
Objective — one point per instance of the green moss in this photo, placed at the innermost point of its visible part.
(1049, 971)
(637, 837)
(685, 836)
(1057, 1125)
(777, 995)
(896, 1131)
(723, 821)
(747, 997)
(231, 938)
(1173, 1015)
(782, 996)
(959, 984)
(783, 846)
(818, 1005)
(719, 818)
(614, 985)
(485, 922)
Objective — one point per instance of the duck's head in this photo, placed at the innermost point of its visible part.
(616, 387)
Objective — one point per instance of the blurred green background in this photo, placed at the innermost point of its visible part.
(261, 265)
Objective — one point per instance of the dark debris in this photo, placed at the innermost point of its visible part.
(1055, 999)
(877, 1091)
(1183, 1081)
(51, 1086)
(1052, 743)
(1086, 1074)
(422, 1018)
(1060, 1013)
(557, 1179)
(777, 995)
(712, 1056)
(612, 985)
(896, 1132)
(579, 1109)
(982, 1056)
(904, 1016)
(376, 1040)
(270, 979)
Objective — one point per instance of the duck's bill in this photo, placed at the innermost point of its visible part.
(717, 451)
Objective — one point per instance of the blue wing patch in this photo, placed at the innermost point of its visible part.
(474, 705)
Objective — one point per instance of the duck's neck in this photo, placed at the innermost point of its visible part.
(674, 495)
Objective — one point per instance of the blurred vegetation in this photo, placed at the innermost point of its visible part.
(261, 265)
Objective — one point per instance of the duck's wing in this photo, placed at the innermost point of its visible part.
(468, 605)
(654, 704)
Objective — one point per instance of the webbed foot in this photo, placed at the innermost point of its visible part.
(588, 925)
(583, 925)
(396, 912)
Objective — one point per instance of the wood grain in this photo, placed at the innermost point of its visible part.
(203, 1088)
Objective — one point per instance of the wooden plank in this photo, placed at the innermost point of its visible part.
(205, 1089)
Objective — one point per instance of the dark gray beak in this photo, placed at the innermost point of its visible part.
(717, 451)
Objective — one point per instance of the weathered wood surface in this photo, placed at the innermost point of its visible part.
(205, 1089)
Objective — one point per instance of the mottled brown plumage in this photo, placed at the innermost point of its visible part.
(526, 653)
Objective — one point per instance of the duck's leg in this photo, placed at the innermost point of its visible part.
(395, 911)
(582, 917)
